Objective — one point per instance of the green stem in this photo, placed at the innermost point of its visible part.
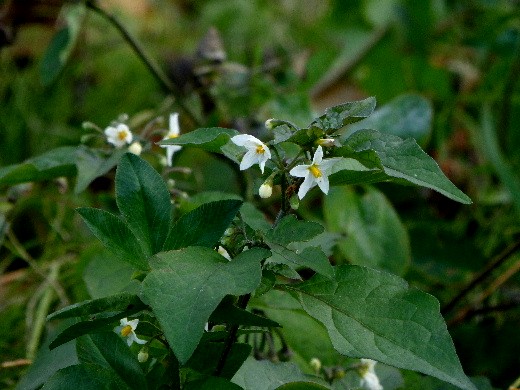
(232, 335)
(154, 69)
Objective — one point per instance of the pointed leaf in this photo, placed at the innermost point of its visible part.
(338, 116)
(118, 302)
(109, 350)
(185, 287)
(371, 314)
(402, 161)
(144, 202)
(312, 258)
(290, 229)
(227, 313)
(92, 163)
(55, 163)
(115, 236)
(203, 226)
(209, 139)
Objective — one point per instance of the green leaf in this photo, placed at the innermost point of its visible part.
(209, 139)
(109, 350)
(371, 314)
(85, 377)
(102, 322)
(406, 116)
(59, 50)
(55, 163)
(265, 375)
(372, 233)
(402, 160)
(115, 236)
(203, 226)
(118, 302)
(302, 386)
(338, 116)
(185, 286)
(290, 230)
(92, 163)
(253, 217)
(212, 383)
(227, 313)
(144, 202)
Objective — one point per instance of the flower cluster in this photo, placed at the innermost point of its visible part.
(314, 174)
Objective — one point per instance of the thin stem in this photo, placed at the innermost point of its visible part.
(494, 264)
(154, 69)
(243, 300)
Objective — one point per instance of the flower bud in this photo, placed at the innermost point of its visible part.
(135, 148)
(270, 124)
(266, 190)
(142, 356)
(315, 363)
(326, 142)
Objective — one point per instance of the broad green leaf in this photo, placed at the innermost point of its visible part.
(371, 314)
(207, 355)
(372, 233)
(62, 44)
(47, 362)
(253, 217)
(407, 116)
(102, 322)
(265, 375)
(403, 161)
(364, 169)
(191, 203)
(338, 116)
(209, 139)
(144, 201)
(55, 163)
(85, 377)
(92, 163)
(109, 350)
(227, 313)
(115, 236)
(203, 226)
(185, 286)
(119, 302)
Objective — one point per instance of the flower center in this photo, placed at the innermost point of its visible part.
(316, 172)
(126, 331)
(121, 135)
(260, 149)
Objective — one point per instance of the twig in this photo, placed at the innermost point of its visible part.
(228, 344)
(494, 264)
(154, 69)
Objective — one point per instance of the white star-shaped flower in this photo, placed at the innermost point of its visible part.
(369, 379)
(173, 132)
(315, 174)
(257, 151)
(118, 135)
(127, 330)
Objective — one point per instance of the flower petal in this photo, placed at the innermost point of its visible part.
(318, 156)
(248, 160)
(299, 171)
(323, 183)
(307, 184)
(242, 139)
(174, 124)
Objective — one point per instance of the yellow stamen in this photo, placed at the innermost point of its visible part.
(260, 149)
(121, 135)
(170, 136)
(126, 331)
(315, 171)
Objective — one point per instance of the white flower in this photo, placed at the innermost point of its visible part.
(118, 135)
(266, 190)
(369, 379)
(315, 174)
(136, 148)
(173, 132)
(257, 151)
(127, 329)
